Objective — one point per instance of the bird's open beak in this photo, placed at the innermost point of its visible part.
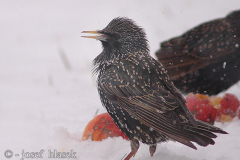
(99, 36)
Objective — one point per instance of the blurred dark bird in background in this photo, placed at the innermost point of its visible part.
(139, 95)
(206, 59)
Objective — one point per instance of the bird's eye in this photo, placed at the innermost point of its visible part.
(113, 36)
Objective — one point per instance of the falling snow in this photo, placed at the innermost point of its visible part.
(224, 65)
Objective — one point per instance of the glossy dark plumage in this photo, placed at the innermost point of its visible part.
(205, 59)
(138, 93)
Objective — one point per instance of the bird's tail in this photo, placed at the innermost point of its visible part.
(203, 134)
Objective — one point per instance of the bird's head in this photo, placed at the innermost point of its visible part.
(121, 36)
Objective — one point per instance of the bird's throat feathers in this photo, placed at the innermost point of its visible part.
(110, 55)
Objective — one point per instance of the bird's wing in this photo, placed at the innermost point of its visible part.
(148, 98)
(206, 44)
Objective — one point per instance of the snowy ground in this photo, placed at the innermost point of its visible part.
(46, 105)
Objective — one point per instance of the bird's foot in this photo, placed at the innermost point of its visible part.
(134, 147)
(152, 149)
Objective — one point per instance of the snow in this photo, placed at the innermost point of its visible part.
(46, 105)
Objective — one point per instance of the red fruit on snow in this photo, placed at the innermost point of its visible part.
(216, 111)
(229, 105)
(102, 127)
(210, 109)
(201, 108)
(192, 102)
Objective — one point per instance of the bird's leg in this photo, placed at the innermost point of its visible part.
(134, 147)
(152, 149)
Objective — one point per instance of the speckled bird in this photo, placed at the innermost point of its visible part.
(205, 59)
(138, 94)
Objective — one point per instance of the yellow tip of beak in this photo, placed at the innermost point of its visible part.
(99, 36)
(92, 32)
(94, 37)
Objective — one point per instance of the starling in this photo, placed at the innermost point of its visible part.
(139, 95)
(206, 59)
